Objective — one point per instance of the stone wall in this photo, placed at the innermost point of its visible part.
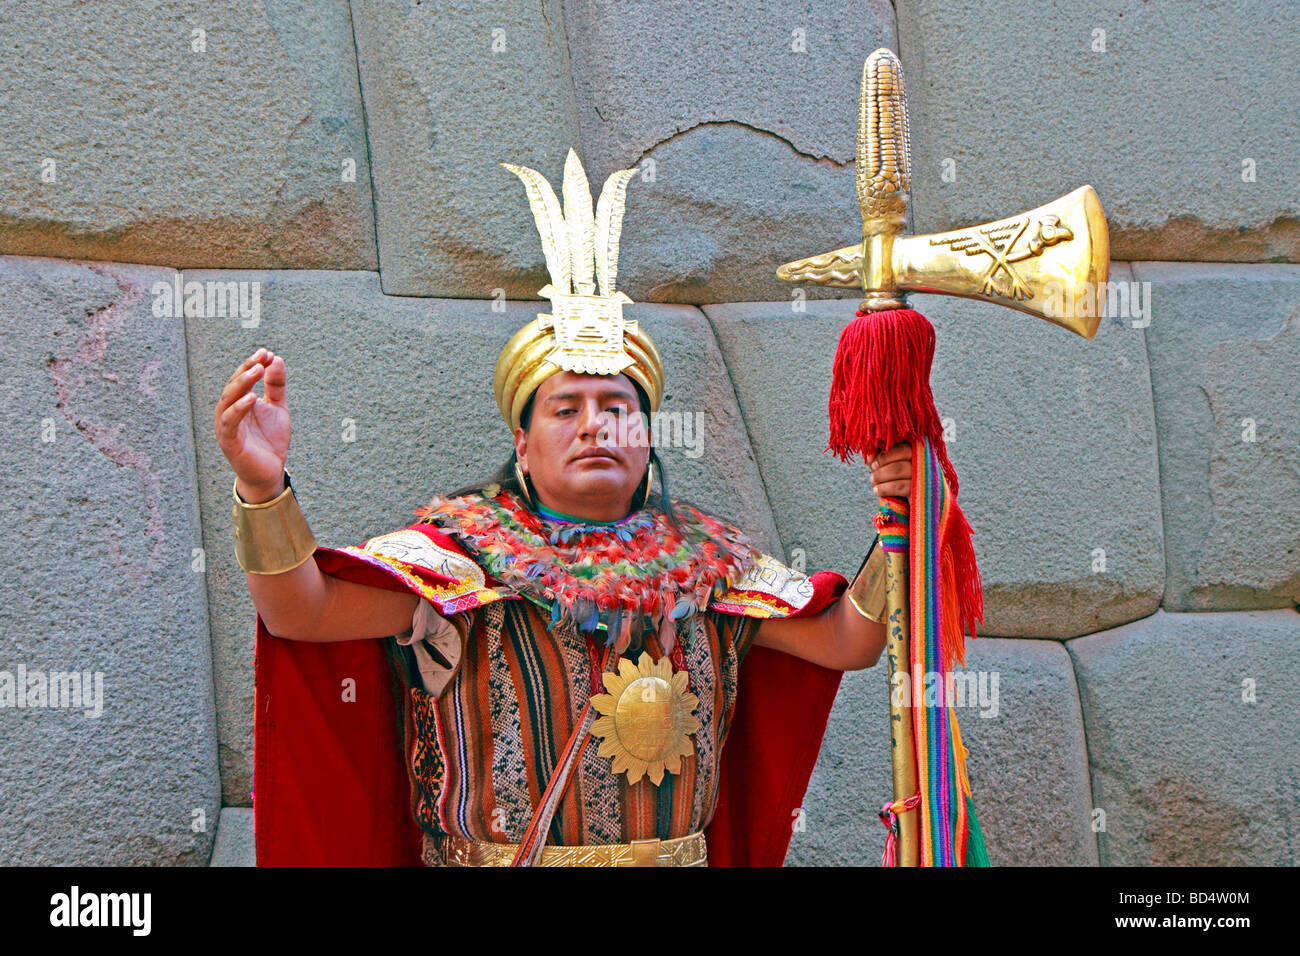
(1136, 498)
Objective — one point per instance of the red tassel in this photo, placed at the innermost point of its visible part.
(880, 396)
(880, 387)
(966, 578)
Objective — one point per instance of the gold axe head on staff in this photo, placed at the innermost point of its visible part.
(1051, 262)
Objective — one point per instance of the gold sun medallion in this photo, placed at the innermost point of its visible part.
(646, 719)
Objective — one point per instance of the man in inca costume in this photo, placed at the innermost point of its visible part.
(577, 670)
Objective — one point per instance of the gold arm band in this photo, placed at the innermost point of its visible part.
(867, 592)
(271, 537)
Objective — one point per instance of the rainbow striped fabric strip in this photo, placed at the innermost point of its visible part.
(917, 526)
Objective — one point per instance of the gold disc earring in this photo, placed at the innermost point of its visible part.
(522, 478)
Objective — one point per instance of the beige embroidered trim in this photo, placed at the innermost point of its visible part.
(767, 589)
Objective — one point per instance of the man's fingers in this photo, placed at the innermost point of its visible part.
(235, 413)
(248, 362)
(255, 358)
(892, 471)
(893, 477)
(240, 387)
(900, 452)
(892, 489)
(276, 378)
(241, 381)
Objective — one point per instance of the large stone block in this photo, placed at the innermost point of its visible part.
(705, 231)
(1043, 427)
(1224, 347)
(235, 845)
(391, 402)
(1028, 764)
(643, 78)
(451, 90)
(750, 134)
(155, 131)
(102, 577)
(1187, 133)
(717, 111)
(1192, 731)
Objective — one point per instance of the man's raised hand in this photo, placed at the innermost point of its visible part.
(253, 431)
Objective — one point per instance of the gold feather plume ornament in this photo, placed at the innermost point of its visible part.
(585, 331)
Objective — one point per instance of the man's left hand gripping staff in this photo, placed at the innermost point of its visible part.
(842, 637)
(891, 471)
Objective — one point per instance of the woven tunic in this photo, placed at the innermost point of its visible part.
(484, 735)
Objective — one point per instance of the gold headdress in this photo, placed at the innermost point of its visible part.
(584, 332)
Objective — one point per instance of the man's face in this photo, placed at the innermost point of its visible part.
(586, 448)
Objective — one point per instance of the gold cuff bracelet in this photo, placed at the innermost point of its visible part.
(867, 592)
(271, 537)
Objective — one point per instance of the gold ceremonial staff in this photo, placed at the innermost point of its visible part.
(1052, 262)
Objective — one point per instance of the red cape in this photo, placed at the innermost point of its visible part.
(330, 784)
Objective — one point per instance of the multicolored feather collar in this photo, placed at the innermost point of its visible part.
(624, 578)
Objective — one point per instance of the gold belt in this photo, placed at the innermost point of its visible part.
(450, 850)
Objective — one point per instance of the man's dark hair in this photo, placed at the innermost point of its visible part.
(507, 479)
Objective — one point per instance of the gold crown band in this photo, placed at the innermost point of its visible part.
(867, 592)
(451, 850)
(271, 537)
(522, 367)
